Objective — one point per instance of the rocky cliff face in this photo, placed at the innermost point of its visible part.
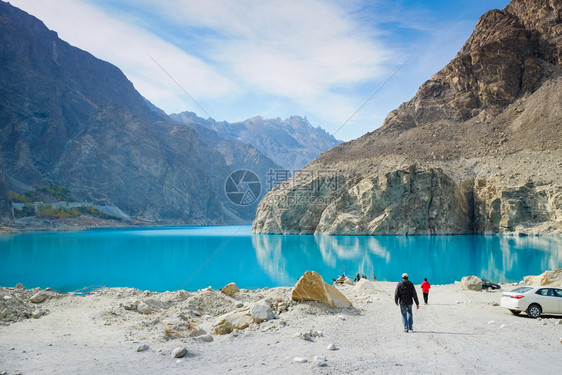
(477, 150)
(235, 155)
(6, 216)
(291, 143)
(70, 119)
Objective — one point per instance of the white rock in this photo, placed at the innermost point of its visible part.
(300, 359)
(143, 348)
(560, 340)
(129, 306)
(332, 346)
(144, 308)
(471, 283)
(261, 312)
(206, 338)
(491, 322)
(559, 321)
(319, 361)
(179, 352)
(364, 286)
(503, 326)
(7, 297)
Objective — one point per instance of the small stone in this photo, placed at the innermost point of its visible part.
(144, 308)
(332, 346)
(143, 348)
(300, 359)
(559, 321)
(230, 289)
(319, 361)
(503, 326)
(491, 322)
(206, 338)
(179, 352)
(38, 297)
(7, 297)
(129, 306)
(560, 340)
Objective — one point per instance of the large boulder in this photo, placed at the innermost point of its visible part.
(471, 283)
(550, 278)
(311, 287)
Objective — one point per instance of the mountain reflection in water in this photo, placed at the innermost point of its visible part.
(192, 258)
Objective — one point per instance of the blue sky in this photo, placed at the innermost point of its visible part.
(239, 58)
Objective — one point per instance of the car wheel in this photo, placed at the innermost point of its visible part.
(534, 311)
(515, 312)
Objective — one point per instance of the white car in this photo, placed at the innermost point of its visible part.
(534, 300)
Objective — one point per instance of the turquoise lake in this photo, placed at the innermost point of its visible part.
(191, 258)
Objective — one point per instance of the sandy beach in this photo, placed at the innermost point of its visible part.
(121, 330)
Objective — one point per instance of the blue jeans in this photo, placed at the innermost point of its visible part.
(407, 317)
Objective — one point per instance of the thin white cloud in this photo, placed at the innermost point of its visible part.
(243, 58)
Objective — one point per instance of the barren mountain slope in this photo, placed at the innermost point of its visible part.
(477, 150)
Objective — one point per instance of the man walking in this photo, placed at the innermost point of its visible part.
(405, 294)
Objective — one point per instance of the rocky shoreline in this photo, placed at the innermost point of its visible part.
(254, 331)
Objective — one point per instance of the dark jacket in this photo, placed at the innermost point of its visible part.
(405, 292)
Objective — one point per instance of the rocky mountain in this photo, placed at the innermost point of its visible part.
(70, 119)
(291, 143)
(477, 150)
(5, 209)
(237, 155)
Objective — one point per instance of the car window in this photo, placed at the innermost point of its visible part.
(543, 292)
(558, 292)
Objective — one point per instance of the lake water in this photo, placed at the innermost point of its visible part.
(192, 258)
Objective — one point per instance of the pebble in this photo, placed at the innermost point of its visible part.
(503, 326)
(560, 340)
(179, 352)
(300, 359)
(332, 346)
(144, 308)
(319, 361)
(491, 322)
(143, 348)
(559, 321)
(206, 338)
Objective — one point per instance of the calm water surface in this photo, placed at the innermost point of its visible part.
(191, 258)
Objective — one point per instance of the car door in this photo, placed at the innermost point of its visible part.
(548, 301)
(558, 293)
